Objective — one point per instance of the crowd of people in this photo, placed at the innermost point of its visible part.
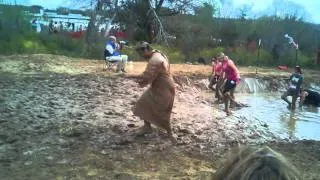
(156, 103)
(225, 77)
(56, 27)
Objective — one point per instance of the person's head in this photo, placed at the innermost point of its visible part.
(214, 60)
(113, 39)
(222, 57)
(257, 163)
(144, 49)
(297, 69)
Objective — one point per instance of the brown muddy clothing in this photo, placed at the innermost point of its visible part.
(155, 104)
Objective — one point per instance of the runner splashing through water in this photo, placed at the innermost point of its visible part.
(293, 90)
(232, 77)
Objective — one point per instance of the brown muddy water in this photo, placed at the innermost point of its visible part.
(269, 109)
(266, 107)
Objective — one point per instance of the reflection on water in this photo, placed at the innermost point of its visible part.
(303, 123)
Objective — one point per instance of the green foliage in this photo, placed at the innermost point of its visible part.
(131, 53)
(242, 57)
(305, 61)
(196, 35)
(174, 54)
(208, 53)
(16, 36)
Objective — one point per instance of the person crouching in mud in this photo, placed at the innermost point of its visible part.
(232, 77)
(309, 97)
(155, 104)
(293, 90)
(215, 78)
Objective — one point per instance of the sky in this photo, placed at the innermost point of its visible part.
(308, 9)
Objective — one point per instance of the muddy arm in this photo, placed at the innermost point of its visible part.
(150, 73)
(233, 66)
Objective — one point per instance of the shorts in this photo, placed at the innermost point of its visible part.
(292, 92)
(229, 86)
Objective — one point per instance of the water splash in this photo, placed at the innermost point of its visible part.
(253, 85)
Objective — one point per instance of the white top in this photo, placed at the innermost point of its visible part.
(109, 48)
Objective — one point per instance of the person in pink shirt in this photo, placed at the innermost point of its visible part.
(215, 77)
(232, 77)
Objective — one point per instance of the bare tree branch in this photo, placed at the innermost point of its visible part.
(161, 35)
(159, 5)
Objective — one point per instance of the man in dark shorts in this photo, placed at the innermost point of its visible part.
(232, 77)
(309, 97)
(293, 90)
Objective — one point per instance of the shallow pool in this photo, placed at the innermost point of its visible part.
(268, 108)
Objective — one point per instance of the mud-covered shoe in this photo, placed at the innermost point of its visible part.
(124, 71)
(228, 112)
(144, 130)
(173, 138)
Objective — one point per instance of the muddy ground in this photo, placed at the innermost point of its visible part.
(65, 118)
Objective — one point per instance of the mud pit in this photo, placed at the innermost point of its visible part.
(62, 125)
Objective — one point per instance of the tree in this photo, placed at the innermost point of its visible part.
(143, 16)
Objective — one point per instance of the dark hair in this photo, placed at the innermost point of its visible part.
(143, 46)
(298, 69)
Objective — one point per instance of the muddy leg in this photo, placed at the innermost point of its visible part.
(145, 129)
(232, 99)
(172, 136)
(294, 99)
(226, 102)
(303, 96)
(284, 97)
(219, 91)
(211, 83)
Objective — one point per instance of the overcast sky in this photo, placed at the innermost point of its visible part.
(308, 9)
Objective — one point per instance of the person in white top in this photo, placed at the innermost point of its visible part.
(112, 54)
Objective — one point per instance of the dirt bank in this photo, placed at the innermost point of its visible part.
(68, 119)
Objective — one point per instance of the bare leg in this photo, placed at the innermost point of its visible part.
(294, 99)
(232, 99)
(218, 93)
(284, 97)
(226, 102)
(219, 90)
(302, 98)
(211, 83)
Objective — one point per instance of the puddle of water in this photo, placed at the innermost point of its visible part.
(268, 108)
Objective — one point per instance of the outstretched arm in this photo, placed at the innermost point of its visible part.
(233, 66)
(150, 73)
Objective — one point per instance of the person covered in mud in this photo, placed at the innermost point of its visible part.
(232, 77)
(309, 97)
(257, 163)
(295, 82)
(155, 104)
(112, 54)
(215, 78)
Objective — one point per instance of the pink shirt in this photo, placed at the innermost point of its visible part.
(218, 68)
(231, 74)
